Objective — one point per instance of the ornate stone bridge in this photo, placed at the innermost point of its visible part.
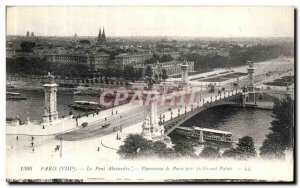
(233, 99)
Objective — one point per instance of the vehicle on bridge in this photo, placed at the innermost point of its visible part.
(106, 125)
(211, 88)
(205, 134)
(84, 124)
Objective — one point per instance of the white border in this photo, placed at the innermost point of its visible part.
(5, 3)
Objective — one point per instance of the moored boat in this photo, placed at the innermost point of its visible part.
(85, 105)
(205, 134)
(69, 92)
(14, 96)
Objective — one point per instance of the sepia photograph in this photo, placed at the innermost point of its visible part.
(151, 94)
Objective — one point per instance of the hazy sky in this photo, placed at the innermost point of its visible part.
(153, 21)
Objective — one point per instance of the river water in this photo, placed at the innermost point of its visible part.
(239, 121)
(33, 106)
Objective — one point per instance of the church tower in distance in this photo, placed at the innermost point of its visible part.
(101, 37)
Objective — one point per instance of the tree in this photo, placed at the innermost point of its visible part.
(152, 60)
(128, 72)
(160, 149)
(245, 149)
(149, 71)
(155, 76)
(85, 42)
(27, 46)
(135, 146)
(164, 75)
(118, 72)
(231, 153)
(166, 58)
(210, 153)
(185, 148)
(138, 74)
(281, 137)
(160, 76)
(149, 82)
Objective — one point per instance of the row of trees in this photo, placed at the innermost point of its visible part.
(135, 146)
(239, 55)
(39, 66)
(128, 73)
(156, 58)
(277, 142)
(281, 136)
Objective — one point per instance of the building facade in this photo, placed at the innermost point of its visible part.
(172, 68)
(66, 58)
(98, 62)
(123, 60)
(95, 62)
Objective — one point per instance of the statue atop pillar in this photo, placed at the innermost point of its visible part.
(50, 78)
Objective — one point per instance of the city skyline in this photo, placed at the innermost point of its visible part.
(228, 22)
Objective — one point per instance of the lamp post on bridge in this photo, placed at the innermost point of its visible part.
(121, 124)
(160, 119)
(61, 147)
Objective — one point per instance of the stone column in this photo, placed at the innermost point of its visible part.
(201, 139)
(50, 112)
(250, 87)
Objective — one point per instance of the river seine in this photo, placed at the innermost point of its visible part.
(239, 121)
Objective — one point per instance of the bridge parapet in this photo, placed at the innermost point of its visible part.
(173, 123)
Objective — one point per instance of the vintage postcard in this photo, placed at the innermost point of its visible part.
(150, 94)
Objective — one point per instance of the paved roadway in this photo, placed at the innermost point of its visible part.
(115, 122)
